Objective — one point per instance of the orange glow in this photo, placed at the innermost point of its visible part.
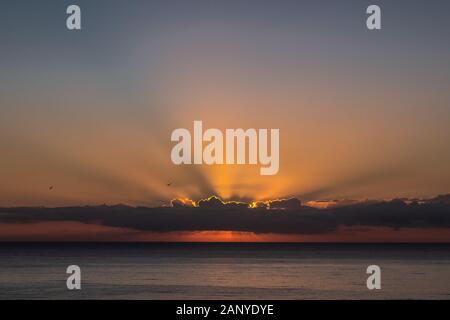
(322, 204)
(184, 202)
(76, 231)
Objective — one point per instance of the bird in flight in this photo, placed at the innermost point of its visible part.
(169, 184)
(50, 188)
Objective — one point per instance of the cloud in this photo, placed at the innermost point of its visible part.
(292, 203)
(213, 214)
(183, 202)
(396, 214)
(217, 203)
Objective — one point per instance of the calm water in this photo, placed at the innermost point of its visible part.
(224, 271)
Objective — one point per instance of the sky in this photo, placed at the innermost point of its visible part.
(362, 114)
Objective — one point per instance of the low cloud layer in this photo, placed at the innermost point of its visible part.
(213, 214)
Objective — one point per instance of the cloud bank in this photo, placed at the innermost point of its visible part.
(213, 214)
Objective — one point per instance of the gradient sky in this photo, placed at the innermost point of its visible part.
(362, 114)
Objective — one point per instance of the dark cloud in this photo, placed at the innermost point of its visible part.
(216, 203)
(214, 214)
(396, 214)
(182, 203)
(292, 203)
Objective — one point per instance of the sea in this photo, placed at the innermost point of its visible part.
(266, 271)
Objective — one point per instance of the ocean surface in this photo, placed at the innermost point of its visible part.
(224, 271)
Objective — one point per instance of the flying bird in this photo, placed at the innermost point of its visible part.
(50, 188)
(169, 184)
